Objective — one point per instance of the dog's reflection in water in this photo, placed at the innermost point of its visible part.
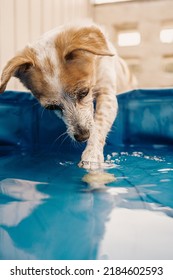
(97, 177)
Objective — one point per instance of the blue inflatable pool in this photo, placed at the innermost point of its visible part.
(48, 212)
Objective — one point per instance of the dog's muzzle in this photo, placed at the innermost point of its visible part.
(82, 135)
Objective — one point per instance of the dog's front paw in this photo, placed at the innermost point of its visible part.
(91, 159)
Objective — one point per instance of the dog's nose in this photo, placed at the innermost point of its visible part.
(82, 136)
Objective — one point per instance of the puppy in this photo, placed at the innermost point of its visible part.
(66, 70)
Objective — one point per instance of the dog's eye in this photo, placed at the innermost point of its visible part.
(70, 56)
(83, 93)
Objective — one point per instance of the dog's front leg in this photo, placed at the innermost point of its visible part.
(105, 114)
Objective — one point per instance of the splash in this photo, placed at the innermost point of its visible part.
(115, 158)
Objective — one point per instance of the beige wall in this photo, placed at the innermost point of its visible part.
(22, 21)
(152, 60)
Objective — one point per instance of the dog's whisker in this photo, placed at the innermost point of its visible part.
(35, 104)
(76, 144)
(62, 134)
(42, 112)
(64, 140)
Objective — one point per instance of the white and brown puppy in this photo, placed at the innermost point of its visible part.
(66, 69)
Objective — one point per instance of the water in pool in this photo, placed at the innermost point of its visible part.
(48, 212)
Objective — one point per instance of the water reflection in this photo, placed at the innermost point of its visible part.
(25, 198)
(58, 216)
(51, 225)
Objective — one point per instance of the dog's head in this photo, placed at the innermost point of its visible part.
(59, 69)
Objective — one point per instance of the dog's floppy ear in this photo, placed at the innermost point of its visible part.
(90, 39)
(15, 67)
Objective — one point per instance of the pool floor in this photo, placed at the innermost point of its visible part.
(48, 212)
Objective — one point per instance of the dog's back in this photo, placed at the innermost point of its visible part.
(126, 80)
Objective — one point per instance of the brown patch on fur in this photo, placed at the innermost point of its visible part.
(34, 81)
(77, 73)
(89, 39)
(25, 67)
(16, 66)
(75, 49)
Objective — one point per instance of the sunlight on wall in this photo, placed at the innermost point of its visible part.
(129, 38)
(166, 35)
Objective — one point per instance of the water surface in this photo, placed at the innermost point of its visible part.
(48, 212)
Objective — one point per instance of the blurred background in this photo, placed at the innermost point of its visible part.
(141, 30)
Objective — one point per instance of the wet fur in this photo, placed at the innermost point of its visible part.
(68, 68)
